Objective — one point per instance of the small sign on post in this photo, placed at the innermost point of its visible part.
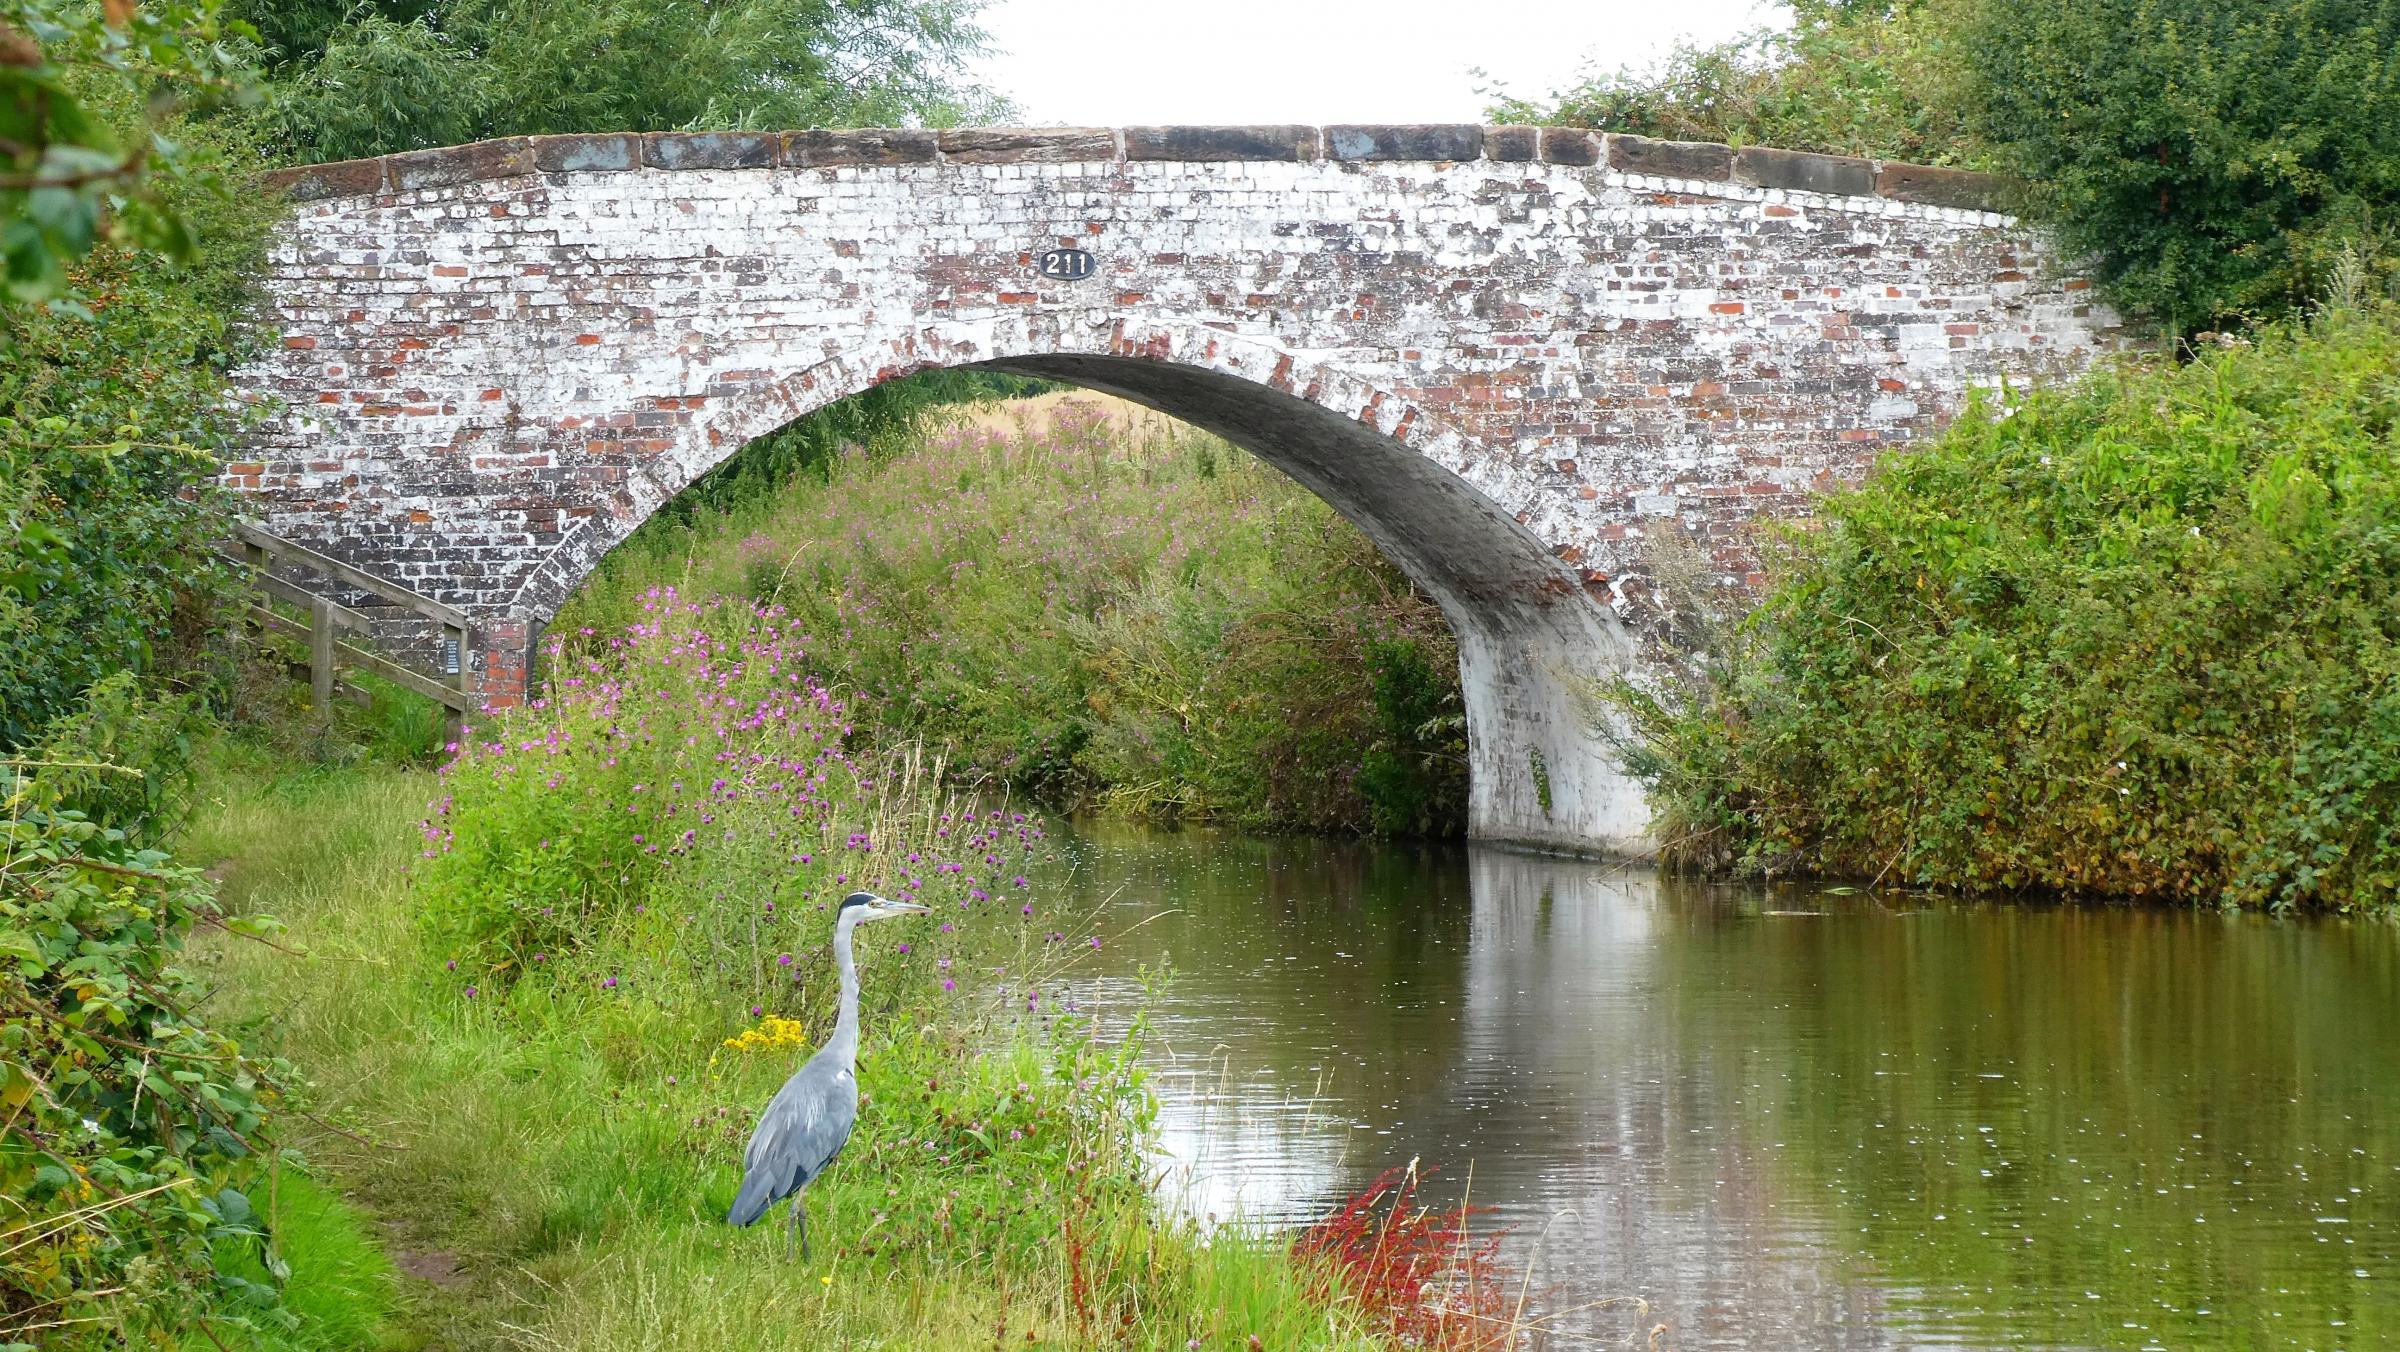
(1065, 265)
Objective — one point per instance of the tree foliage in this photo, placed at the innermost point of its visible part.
(2136, 638)
(2211, 162)
(1860, 78)
(112, 424)
(75, 168)
(2213, 159)
(356, 80)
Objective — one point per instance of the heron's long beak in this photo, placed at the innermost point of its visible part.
(906, 907)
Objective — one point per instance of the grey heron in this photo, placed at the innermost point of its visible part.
(809, 1119)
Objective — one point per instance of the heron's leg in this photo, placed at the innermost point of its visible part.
(800, 1209)
(791, 1232)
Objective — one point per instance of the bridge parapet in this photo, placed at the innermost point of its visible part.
(1687, 161)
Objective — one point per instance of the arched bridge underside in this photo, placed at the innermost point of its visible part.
(1506, 353)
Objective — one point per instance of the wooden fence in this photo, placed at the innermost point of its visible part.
(327, 652)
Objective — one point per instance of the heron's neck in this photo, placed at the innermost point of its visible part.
(844, 1042)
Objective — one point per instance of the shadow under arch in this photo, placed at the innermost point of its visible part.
(1530, 635)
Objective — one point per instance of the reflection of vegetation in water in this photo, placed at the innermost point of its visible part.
(2071, 1126)
(1640, 1072)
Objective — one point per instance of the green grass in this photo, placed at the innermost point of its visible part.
(541, 1144)
(342, 1292)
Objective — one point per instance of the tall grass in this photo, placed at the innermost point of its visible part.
(1095, 611)
(538, 1044)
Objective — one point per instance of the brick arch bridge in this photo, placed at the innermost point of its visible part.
(1507, 353)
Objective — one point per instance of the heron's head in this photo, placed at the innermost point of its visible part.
(860, 907)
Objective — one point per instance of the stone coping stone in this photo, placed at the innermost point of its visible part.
(1405, 141)
(712, 150)
(1704, 160)
(1512, 145)
(1836, 175)
(614, 152)
(1429, 143)
(1573, 147)
(1930, 185)
(1022, 145)
(508, 157)
(833, 149)
(1204, 145)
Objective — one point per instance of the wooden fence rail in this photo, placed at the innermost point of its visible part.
(327, 652)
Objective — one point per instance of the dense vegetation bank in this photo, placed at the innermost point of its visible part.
(2130, 638)
(540, 1020)
(1093, 607)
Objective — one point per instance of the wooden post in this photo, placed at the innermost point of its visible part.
(454, 639)
(320, 654)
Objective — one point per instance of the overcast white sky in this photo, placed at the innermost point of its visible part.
(1117, 62)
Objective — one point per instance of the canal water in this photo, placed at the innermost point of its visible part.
(1783, 1118)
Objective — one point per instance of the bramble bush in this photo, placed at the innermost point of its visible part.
(2133, 638)
(134, 1134)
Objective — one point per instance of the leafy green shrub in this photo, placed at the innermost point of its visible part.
(87, 137)
(1410, 776)
(124, 759)
(132, 1132)
(1877, 78)
(112, 422)
(2135, 638)
(2215, 160)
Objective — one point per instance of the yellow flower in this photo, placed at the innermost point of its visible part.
(773, 1034)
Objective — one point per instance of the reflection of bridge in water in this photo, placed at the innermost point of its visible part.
(1886, 1125)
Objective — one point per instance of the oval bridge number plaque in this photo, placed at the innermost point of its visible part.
(1065, 265)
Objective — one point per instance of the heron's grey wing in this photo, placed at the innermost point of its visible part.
(800, 1132)
(805, 1124)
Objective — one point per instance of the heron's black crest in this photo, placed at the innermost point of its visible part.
(854, 899)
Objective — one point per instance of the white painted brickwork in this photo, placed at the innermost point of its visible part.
(491, 380)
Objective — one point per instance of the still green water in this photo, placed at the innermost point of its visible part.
(1784, 1118)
